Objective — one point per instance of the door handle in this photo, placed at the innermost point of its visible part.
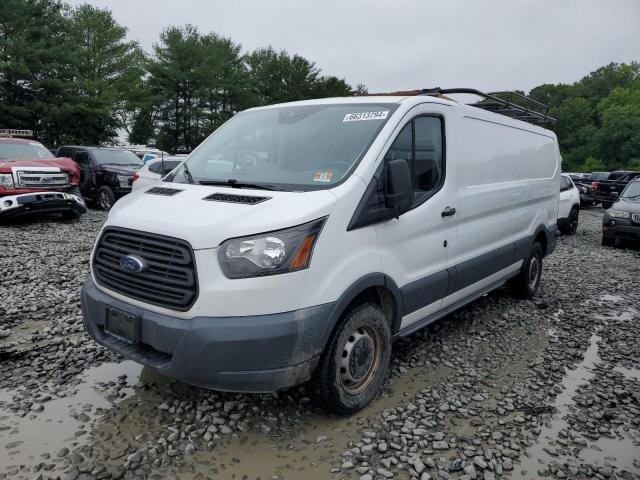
(448, 211)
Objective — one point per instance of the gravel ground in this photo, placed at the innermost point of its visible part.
(501, 389)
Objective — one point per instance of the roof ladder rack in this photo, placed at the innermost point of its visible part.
(495, 102)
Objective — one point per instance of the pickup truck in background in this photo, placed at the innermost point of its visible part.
(607, 191)
(33, 181)
(584, 183)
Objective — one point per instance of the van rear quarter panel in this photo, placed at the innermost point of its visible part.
(509, 177)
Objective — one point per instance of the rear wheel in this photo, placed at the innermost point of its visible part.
(106, 198)
(526, 284)
(355, 362)
(572, 223)
(608, 241)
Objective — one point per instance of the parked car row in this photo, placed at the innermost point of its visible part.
(599, 187)
(33, 180)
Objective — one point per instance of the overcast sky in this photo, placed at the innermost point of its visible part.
(407, 44)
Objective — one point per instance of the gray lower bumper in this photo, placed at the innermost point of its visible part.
(245, 354)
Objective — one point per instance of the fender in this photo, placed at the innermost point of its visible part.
(355, 289)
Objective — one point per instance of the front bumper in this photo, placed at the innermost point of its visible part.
(261, 353)
(622, 232)
(13, 206)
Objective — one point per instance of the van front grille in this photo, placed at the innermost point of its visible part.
(168, 276)
(635, 217)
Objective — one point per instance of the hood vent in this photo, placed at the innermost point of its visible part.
(164, 191)
(231, 198)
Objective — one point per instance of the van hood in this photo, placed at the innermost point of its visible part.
(208, 223)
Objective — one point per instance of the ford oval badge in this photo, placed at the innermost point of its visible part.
(132, 264)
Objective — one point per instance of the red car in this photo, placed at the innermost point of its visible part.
(34, 181)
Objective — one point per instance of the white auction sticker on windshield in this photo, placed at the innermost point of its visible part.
(356, 117)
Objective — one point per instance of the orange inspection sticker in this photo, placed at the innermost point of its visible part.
(323, 176)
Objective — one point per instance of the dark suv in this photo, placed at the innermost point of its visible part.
(105, 173)
(622, 221)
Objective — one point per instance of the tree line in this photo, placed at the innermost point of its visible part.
(598, 118)
(71, 75)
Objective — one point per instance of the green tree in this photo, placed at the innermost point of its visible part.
(108, 72)
(279, 77)
(592, 165)
(596, 116)
(35, 66)
(620, 132)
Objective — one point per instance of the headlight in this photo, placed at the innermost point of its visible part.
(6, 180)
(618, 214)
(270, 253)
(124, 181)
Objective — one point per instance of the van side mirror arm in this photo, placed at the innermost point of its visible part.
(399, 187)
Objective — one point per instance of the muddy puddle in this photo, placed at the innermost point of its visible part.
(94, 412)
(64, 422)
(621, 452)
(317, 441)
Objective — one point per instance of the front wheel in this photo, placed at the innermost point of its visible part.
(355, 362)
(526, 284)
(106, 198)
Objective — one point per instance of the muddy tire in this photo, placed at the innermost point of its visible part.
(355, 361)
(526, 284)
(105, 198)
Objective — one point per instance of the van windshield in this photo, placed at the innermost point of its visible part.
(305, 147)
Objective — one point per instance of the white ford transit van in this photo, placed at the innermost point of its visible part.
(300, 239)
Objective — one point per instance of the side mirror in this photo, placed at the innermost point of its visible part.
(399, 194)
(615, 194)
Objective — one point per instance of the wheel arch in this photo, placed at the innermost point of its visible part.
(376, 287)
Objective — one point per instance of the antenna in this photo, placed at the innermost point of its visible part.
(162, 164)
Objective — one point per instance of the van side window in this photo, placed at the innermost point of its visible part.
(420, 143)
(428, 165)
(402, 146)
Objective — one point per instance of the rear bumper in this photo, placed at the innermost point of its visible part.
(261, 353)
(121, 191)
(13, 206)
(587, 198)
(599, 198)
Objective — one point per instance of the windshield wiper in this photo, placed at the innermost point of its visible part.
(187, 173)
(632, 196)
(233, 183)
